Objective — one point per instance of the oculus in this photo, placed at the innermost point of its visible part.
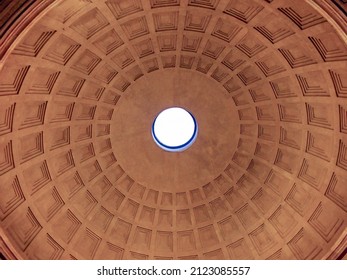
(174, 129)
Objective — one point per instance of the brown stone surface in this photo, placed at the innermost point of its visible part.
(81, 177)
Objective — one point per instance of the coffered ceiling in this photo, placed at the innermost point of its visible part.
(81, 177)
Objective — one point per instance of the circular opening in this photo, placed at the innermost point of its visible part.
(174, 129)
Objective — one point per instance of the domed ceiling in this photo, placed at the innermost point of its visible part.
(82, 178)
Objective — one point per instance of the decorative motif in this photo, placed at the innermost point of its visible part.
(261, 92)
(250, 46)
(87, 244)
(265, 113)
(151, 65)
(62, 111)
(318, 115)
(49, 250)
(283, 221)
(108, 42)
(208, 236)
(142, 239)
(105, 73)
(196, 22)
(311, 173)
(249, 75)
(92, 91)
(49, 203)
(134, 73)
(72, 185)
(65, 11)
(165, 21)
(6, 118)
(101, 219)
(225, 30)
(108, 160)
(124, 8)
(234, 198)
(342, 155)
(6, 157)
(330, 47)
(62, 50)
(290, 137)
(275, 30)
(214, 255)
(70, 85)
(282, 87)
(304, 16)
(290, 112)
(204, 65)
(183, 218)
(169, 61)
(85, 152)
(338, 77)
(63, 162)
(113, 200)
(31, 146)
(190, 43)
(43, 81)
(286, 160)
(228, 228)
(82, 132)
(319, 145)
(218, 207)
(296, 56)
(112, 252)
(262, 239)
(11, 79)
(86, 62)
(90, 23)
(121, 84)
(246, 114)
(11, 198)
(312, 83)
(219, 74)
(164, 242)
(324, 222)
(231, 85)
(186, 240)
(343, 119)
(144, 48)
(232, 60)
(201, 214)
(270, 65)
(277, 182)
(186, 61)
(213, 49)
(239, 250)
(135, 28)
(84, 111)
(208, 4)
(303, 247)
(92, 170)
(164, 3)
(36, 39)
(243, 11)
(24, 229)
(299, 198)
(248, 216)
(336, 190)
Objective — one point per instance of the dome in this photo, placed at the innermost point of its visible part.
(81, 83)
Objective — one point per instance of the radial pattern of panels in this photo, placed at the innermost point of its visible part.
(282, 195)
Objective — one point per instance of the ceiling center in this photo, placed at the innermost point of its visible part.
(203, 160)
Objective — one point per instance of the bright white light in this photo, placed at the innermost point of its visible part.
(174, 129)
